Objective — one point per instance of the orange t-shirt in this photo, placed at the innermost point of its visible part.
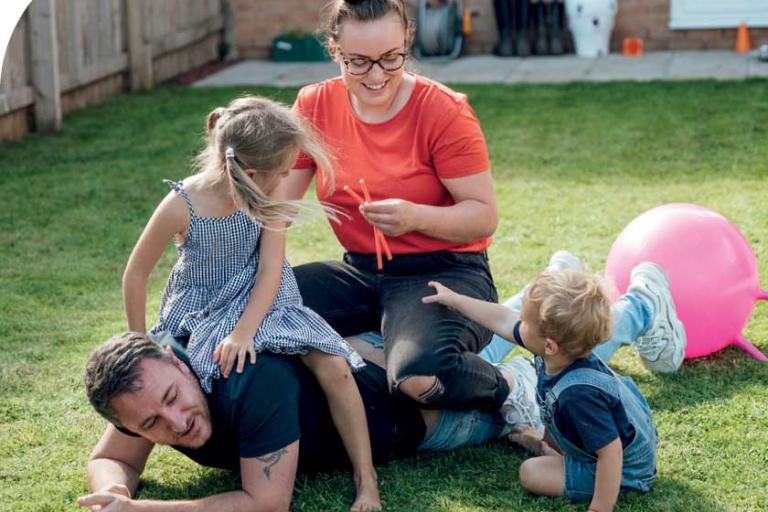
(435, 135)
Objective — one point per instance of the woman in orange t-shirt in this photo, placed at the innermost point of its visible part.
(422, 153)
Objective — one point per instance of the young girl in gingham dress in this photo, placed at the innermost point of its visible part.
(232, 294)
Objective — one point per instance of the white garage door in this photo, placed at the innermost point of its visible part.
(718, 13)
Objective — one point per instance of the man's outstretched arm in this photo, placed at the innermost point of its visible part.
(267, 486)
(117, 461)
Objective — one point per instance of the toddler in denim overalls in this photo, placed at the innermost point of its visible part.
(638, 468)
(600, 438)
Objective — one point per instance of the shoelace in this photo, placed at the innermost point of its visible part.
(523, 406)
(653, 346)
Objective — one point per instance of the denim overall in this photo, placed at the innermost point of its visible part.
(639, 468)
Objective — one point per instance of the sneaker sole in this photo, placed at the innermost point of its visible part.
(568, 258)
(654, 274)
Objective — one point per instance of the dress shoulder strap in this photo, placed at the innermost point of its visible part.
(178, 187)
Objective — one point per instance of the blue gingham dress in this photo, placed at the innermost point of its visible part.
(209, 287)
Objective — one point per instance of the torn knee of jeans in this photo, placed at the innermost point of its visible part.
(427, 396)
(434, 393)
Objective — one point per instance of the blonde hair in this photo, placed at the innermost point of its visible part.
(574, 310)
(260, 134)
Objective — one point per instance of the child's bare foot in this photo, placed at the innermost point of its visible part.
(367, 499)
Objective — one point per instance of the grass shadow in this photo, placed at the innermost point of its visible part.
(479, 478)
(716, 378)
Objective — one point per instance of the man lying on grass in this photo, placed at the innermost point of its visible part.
(267, 422)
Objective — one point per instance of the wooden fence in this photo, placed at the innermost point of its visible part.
(66, 54)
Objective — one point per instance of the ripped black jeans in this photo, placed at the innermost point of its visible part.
(419, 339)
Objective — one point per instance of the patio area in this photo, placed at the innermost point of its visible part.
(684, 65)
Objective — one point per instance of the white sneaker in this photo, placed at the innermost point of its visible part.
(520, 407)
(564, 260)
(662, 347)
(561, 260)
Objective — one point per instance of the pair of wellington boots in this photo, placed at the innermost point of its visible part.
(544, 20)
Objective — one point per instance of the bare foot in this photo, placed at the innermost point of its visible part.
(530, 439)
(367, 499)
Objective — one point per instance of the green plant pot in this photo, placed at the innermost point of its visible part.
(291, 48)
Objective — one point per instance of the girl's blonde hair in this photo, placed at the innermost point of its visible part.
(260, 134)
(574, 310)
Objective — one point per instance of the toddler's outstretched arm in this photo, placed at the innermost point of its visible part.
(171, 217)
(500, 319)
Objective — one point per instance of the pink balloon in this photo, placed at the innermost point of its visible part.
(711, 268)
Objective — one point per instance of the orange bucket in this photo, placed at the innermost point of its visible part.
(632, 47)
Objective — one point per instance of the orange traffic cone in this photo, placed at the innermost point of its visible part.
(742, 39)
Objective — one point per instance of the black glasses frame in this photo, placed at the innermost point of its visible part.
(346, 60)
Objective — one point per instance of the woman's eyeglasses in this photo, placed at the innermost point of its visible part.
(362, 65)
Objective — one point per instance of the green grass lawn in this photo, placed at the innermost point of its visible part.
(573, 165)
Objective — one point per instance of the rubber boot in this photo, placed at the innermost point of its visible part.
(557, 28)
(522, 20)
(504, 48)
(540, 46)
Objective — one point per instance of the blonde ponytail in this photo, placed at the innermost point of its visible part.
(250, 198)
(260, 134)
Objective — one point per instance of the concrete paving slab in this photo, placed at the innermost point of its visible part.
(264, 72)
(426, 68)
(651, 66)
(690, 65)
(479, 69)
(307, 74)
(718, 65)
(757, 68)
(566, 68)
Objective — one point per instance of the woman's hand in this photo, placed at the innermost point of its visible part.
(394, 217)
(234, 347)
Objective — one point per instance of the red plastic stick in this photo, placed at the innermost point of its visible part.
(377, 231)
(354, 194)
(366, 193)
(377, 235)
(377, 242)
(385, 245)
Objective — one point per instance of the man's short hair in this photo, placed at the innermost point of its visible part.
(574, 310)
(113, 369)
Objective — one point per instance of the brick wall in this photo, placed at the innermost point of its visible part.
(258, 22)
(649, 19)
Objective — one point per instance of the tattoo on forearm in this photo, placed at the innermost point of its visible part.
(271, 459)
